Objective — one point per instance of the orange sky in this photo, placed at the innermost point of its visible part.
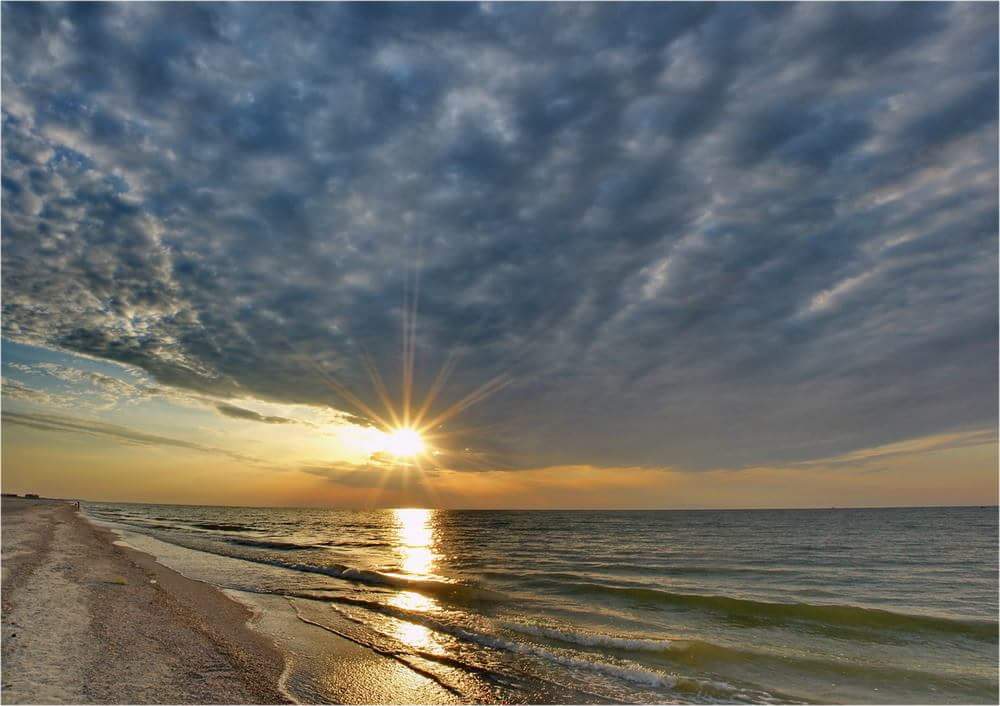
(956, 469)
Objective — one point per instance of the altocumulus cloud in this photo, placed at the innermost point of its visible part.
(694, 235)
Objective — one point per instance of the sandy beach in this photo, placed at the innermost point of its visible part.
(88, 621)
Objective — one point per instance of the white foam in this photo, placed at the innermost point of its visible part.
(632, 674)
(636, 675)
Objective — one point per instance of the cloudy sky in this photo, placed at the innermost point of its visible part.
(664, 255)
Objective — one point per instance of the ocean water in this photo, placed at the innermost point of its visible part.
(840, 605)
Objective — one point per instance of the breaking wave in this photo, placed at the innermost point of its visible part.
(270, 544)
(626, 672)
(222, 527)
(591, 639)
(833, 615)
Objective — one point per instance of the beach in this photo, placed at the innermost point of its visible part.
(88, 621)
(440, 606)
(128, 603)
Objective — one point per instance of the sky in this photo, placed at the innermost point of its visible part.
(630, 255)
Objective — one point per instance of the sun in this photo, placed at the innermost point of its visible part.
(404, 442)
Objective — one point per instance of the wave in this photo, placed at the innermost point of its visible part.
(832, 615)
(446, 590)
(268, 544)
(392, 654)
(442, 589)
(708, 657)
(635, 674)
(366, 545)
(592, 639)
(457, 592)
(626, 672)
(585, 567)
(223, 527)
(443, 659)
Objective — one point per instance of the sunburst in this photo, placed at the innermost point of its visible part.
(411, 438)
(404, 443)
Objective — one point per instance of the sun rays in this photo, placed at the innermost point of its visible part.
(412, 435)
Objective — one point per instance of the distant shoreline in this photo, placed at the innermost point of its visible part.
(85, 620)
(825, 508)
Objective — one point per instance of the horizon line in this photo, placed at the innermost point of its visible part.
(531, 509)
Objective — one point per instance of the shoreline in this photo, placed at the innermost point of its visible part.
(86, 619)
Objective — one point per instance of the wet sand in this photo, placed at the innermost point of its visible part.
(87, 621)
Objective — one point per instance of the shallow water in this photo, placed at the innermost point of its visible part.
(860, 606)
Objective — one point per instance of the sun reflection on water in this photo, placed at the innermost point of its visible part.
(415, 544)
(415, 540)
(413, 601)
(414, 634)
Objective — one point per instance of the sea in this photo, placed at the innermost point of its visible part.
(743, 606)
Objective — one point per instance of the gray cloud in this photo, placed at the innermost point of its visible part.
(240, 413)
(377, 477)
(64, 424)
(694, 235)
(864, 458)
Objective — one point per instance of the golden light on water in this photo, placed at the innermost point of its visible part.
(414, 634)
(415, 543)
(413, 601)
(415, 540)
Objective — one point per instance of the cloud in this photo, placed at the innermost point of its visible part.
(240, 413)
(911, 447)
(693, 235)
(377, 476)
(17, 390)
(64, 424)
(77, 387)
